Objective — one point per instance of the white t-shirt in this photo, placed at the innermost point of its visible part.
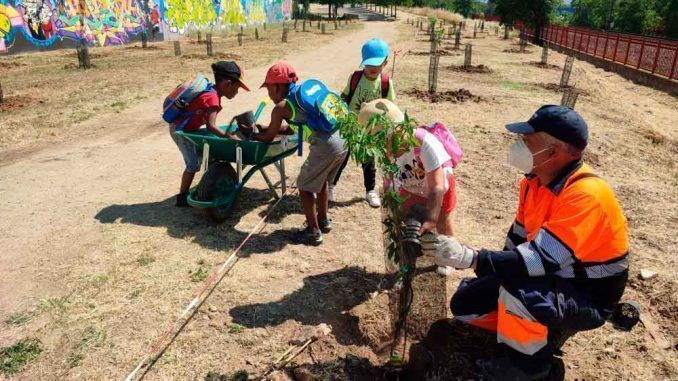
(412, 172)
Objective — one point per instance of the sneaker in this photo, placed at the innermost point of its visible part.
(444, 270)
(325, 225)
(182, 200)
(330, 193)
(373, 199)
(306, 237)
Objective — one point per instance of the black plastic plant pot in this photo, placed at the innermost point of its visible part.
(626, 315)
(245, 119)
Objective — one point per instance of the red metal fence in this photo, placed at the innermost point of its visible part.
(654, 55)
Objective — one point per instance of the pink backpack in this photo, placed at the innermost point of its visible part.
(443, 134)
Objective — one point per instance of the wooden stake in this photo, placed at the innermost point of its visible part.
(177, 48)
(569, 98)
(567, 70)
(433, 73)
(284, 34)
(545, 53)
(467, 55)
(83, 55)
(208, 44)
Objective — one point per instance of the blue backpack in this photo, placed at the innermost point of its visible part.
(175, 106)
(323, 107)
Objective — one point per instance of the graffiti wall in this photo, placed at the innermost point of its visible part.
(42, 23)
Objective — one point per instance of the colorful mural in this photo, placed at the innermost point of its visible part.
(114, 22)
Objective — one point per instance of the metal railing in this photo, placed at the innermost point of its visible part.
(655, 55)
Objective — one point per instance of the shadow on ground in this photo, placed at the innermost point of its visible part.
(192, 223)
(322, 299)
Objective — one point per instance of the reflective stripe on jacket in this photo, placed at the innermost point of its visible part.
(572, 228)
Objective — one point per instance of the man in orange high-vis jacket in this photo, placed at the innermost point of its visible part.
(565, 262)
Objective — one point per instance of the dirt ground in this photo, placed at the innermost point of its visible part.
(97, 260)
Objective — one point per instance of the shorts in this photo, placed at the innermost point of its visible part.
(449, 199)
(188, 151)
(319, 168)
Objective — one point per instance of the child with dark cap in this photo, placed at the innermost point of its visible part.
(228, 79)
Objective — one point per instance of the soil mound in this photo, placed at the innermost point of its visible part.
(454, 96)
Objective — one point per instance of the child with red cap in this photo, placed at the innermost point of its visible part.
(326, 154)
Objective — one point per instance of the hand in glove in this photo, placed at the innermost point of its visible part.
(429, 241)
(449, 252)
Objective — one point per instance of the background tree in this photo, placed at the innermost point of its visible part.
(462, 7)
(636, 16)
(670, 12)
(534, 13)
(490, 7)
(590, 13)
(631, 16)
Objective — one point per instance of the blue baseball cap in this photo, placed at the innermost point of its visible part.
(375, 52)
(563, 123)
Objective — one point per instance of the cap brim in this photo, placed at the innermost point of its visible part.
(243, 85)
(374, 61)
(520, 128)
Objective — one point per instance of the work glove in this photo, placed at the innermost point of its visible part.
(449, 252)
(428, 244)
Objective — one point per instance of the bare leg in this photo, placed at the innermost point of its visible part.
(445, 225)
(322, 203)
(186, 181)
(308, 203)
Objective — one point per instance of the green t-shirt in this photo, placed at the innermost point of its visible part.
(367, 91)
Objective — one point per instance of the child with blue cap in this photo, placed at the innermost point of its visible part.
(364, 86)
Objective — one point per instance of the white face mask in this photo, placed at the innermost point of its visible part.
(521, 157)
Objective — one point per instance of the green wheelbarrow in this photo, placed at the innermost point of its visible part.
(221, 183)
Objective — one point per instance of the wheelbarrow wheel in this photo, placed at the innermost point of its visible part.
(219, 180)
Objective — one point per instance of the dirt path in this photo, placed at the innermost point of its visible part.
(95, 252)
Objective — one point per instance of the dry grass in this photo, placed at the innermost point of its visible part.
(440, 14)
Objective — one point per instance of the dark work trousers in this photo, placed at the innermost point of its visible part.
(369, 173)
(554, 302)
